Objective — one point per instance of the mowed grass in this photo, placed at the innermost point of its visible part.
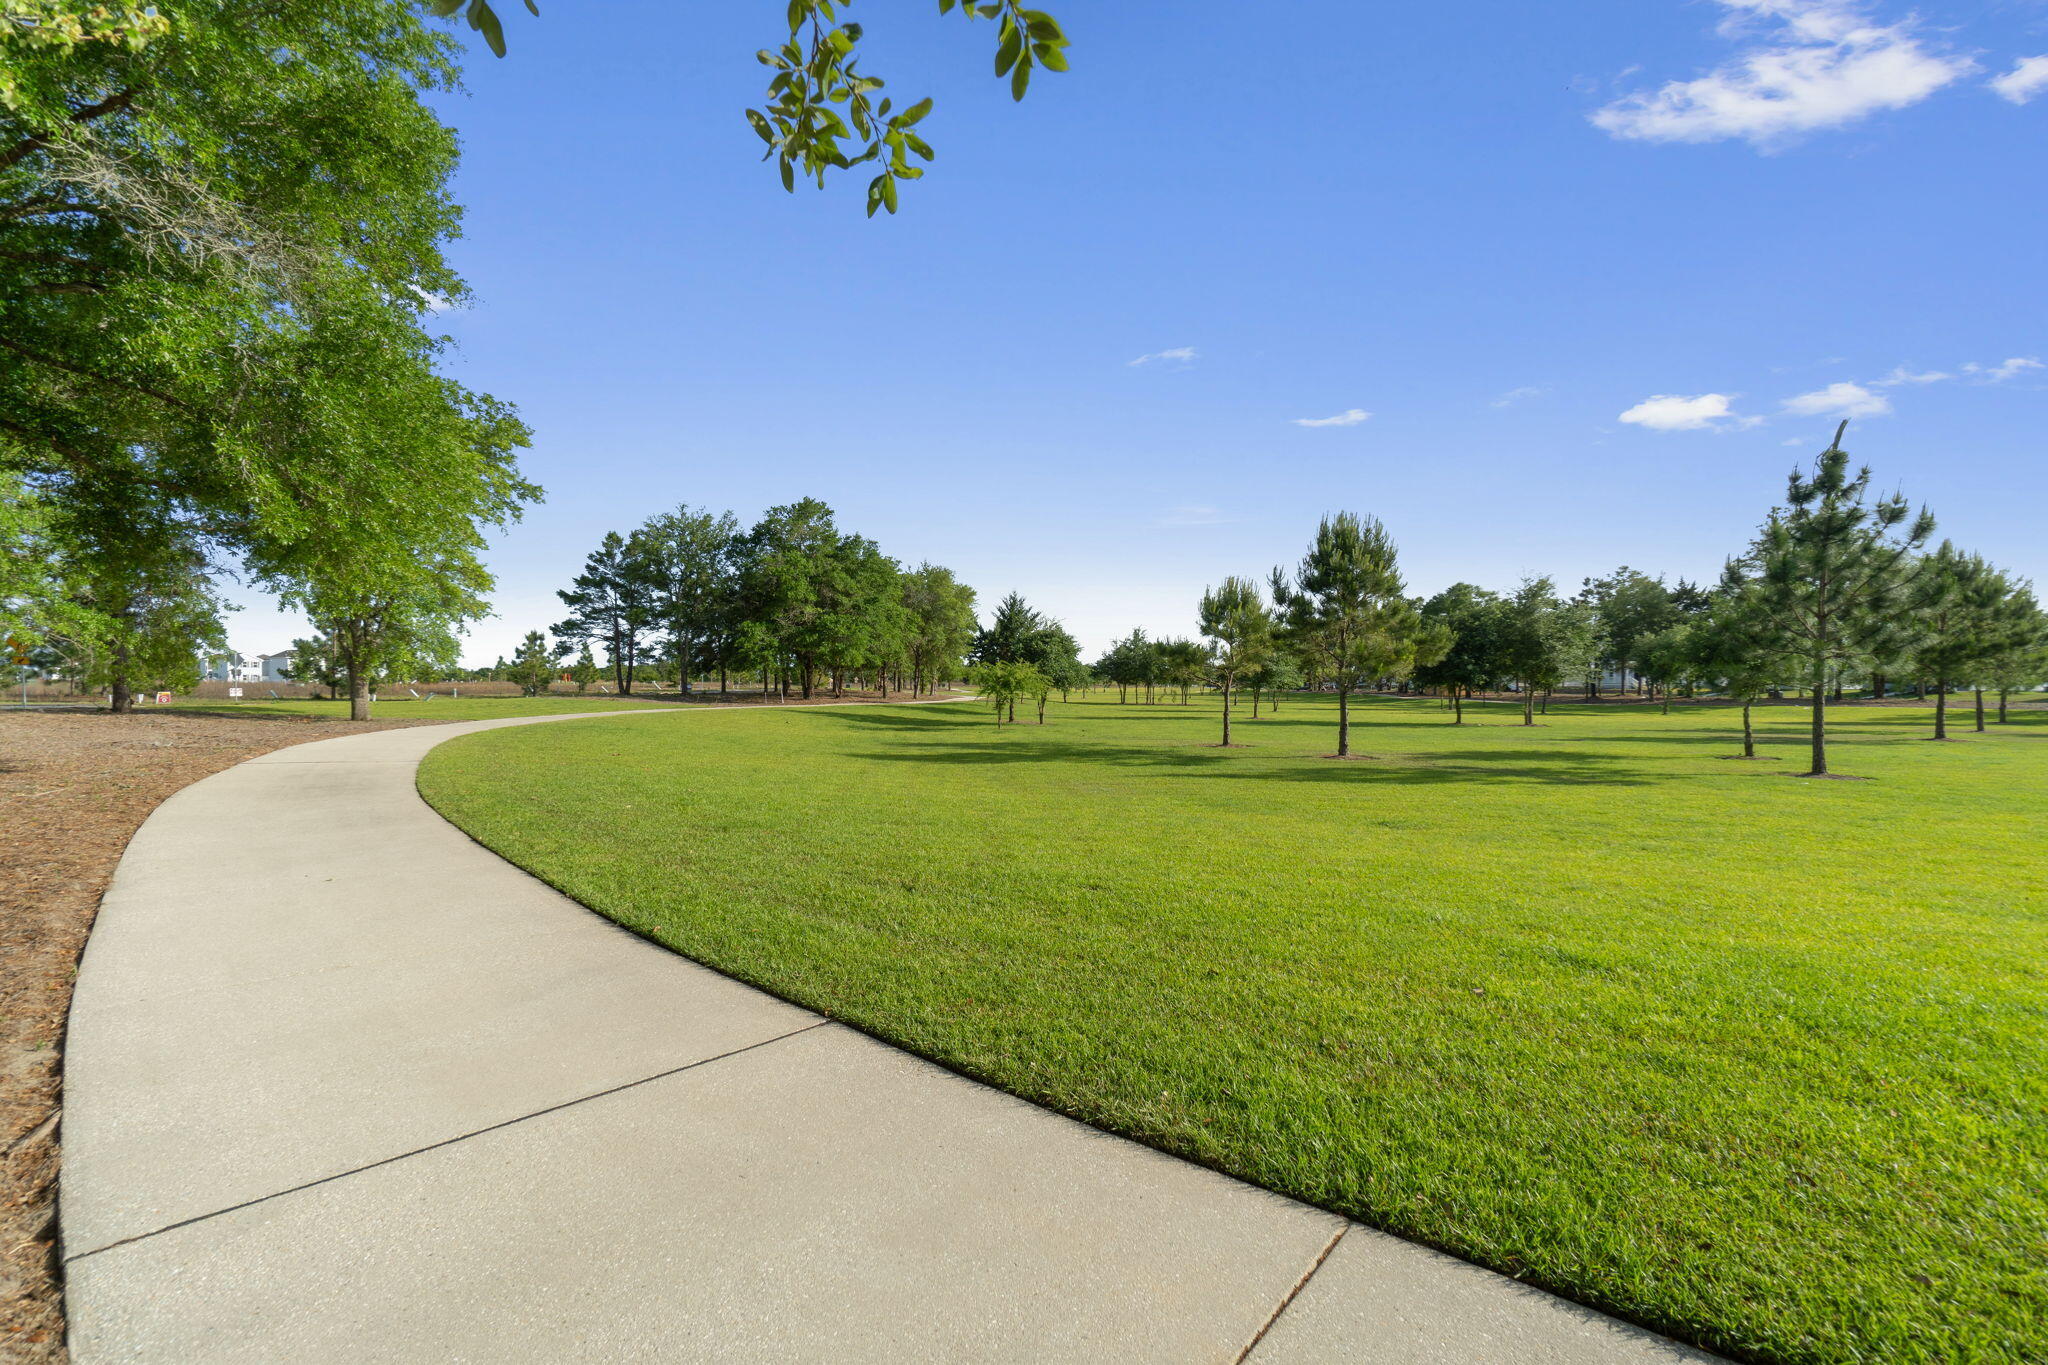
(1755, 1061)
(408, 708)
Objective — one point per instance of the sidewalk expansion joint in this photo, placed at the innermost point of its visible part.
(1290, 1295)
(444, 1142)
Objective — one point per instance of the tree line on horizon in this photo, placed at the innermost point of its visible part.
(1837, 587)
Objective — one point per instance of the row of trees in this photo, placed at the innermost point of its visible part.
(690, 595)
(1837, 586)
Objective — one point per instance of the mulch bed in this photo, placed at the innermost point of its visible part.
(73, 787)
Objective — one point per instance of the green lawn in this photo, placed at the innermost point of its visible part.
(406, 708)
(1755, 1061)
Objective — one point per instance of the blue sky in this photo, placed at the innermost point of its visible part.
(1598, 272)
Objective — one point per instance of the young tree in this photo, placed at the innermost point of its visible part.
(1279, 673)
(1234, 617)
(2018, 652)
(1832, 572)
(1000, 684)
(533, 667)
(1734, 646)
(611, 603)
(1954, 601)
(1183, 664)
(1346, 608)
(1017, 633)
(584, 671)
(1542, 639)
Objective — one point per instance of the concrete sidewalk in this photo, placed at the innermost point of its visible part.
(341, 1085)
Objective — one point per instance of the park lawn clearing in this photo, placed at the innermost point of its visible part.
(435, 709)
(1754, 1061)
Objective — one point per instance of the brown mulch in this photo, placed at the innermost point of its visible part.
(73, 787)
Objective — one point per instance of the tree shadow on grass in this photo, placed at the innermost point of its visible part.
(1402, 768)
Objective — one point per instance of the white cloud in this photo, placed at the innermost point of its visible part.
(1183, 355)
(1192, 516)
(432, 302)
(2004, 370)
(2024, 81)
(1841, 399)
(1351, 417)
(1514, 396)
(1826, 66)
(1901, 375)
(1675, 412)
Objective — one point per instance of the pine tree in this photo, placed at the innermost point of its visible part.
(1346, 608)
(1237, 620)
(1833, 571)
(1954, 601)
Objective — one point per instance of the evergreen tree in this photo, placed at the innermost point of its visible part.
(1346, 608)
(533, 667)
(1235, 618)
(611, 603)
(1833, 569)
(686, 559)
(584, 671)
(1954, 601)
(2018, 652)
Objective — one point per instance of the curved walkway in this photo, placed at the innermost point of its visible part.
(343, 1085)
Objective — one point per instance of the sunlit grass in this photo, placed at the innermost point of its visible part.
(1753, 1060)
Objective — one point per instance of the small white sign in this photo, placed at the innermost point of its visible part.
(234, 691)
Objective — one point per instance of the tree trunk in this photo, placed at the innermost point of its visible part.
(1528, 704)
(1457, 706)
(1748, 735)
(1820, 723)
(2001, 706)
(1941, 708)
(1013, 710)
(1343, 722)
(358, 695)
(1877, 687)
(122, 702)
(1226, 713)
(1041, 708)
(1980, 710)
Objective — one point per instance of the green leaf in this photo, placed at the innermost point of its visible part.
(1020, 78)
(760, 123)
(788, 175)
(1050, 57)
(1007, 54)
(909, 117)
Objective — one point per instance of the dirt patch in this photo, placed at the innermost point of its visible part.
(74, 785)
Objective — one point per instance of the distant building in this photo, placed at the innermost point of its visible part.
(231, 667)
